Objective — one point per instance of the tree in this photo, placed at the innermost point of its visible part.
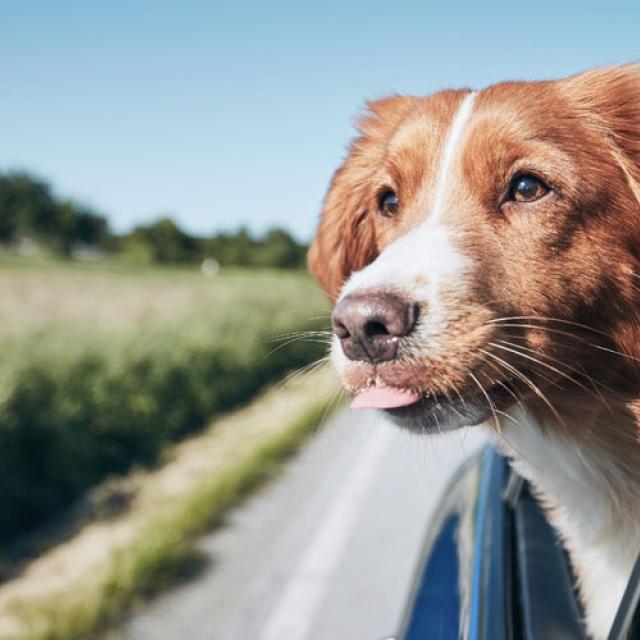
(166, 242)
(278, 249)
(28, 208)
(78, 225)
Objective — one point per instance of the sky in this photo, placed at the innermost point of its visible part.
(224, 114)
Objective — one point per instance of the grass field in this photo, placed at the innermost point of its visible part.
(103, 366)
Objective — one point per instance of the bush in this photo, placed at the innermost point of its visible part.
(72, 416)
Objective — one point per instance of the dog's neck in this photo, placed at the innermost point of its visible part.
(591, 495)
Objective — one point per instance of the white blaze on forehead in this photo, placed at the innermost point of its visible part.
(451, 146)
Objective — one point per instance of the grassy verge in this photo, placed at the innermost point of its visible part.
(152, 545)
(101, 369)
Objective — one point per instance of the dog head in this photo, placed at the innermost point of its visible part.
(483, 248)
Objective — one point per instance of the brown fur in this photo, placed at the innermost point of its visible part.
(545, 300)
(573, 256)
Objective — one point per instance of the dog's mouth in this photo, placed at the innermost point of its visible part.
(424, 412)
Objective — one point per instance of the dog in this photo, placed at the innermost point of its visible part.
(482, 249)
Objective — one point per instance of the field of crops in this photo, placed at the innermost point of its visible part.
(102, 367)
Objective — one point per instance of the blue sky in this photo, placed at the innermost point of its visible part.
(226, 114)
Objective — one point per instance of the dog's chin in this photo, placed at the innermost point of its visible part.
(437, 414)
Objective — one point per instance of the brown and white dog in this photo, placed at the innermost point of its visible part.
(483, 251)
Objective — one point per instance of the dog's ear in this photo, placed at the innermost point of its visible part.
(609, 100)
(346, 237)
(610, 97)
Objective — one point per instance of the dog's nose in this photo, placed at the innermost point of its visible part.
(370, 326)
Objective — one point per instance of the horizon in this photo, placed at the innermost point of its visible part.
(230, 116)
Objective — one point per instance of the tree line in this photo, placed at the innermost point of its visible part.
(31, 212)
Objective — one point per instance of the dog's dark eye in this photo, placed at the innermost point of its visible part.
(388, 203)
(527, 188)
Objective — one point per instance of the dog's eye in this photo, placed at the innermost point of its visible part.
(388, 203)
(527, 188)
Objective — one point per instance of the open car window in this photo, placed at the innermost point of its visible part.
(493, 568)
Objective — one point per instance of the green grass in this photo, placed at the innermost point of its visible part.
(163, 550)
(103, 366)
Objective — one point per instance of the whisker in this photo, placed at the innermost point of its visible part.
(303, 372)
(300, 334)
(324, 316)
(550, 358)
(451, 403)
(581, 370)
(491, 405)
(543, 376)
(615, 352)
(540, 328)
(284, 344)
(457, 392)
(508, 417)
(527, 381)
(596, 384)
(332, 404)
(550, 319)
(517, 352)
(506, 386)
(596, 394)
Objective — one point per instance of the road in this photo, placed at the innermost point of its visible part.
(324, 552)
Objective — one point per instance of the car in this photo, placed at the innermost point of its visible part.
(493, 568)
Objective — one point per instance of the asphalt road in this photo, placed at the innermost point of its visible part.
(326, 551)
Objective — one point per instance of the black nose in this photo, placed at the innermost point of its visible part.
(370, 325)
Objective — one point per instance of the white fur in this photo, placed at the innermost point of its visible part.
(600, 530)
(451, 147)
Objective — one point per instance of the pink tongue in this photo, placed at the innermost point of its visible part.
(384, 398)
